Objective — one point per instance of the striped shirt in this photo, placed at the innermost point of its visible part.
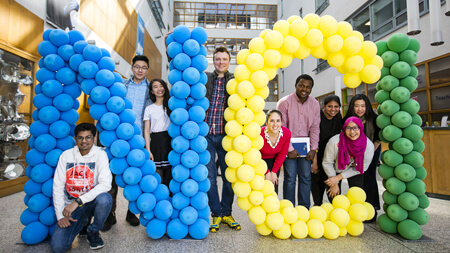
(214, 115)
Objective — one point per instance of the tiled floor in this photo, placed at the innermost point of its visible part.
(124, 238)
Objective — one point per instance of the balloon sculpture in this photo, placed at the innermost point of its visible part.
(344, 49)
(402, 169)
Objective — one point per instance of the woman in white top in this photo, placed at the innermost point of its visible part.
(156, 123)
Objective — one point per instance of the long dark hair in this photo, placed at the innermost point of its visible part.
(370, 115)
(166, 94)
(336, 99)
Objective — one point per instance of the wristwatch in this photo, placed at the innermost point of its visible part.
(79, 202)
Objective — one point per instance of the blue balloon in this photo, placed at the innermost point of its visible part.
(107, 63)
(169, 39)
(74, 90)
(131, 192)
(105, 77)
(199, 34)
(174, 48)
(118, 89)
(180, 144)
(26, 199)
(75, 61)
(204, 185)
(176, 230)
(66, 51)
(175, 214)
(163, 210)
(105, 53)
(180, 90)
(198, 91)
(203, 51)
(136, 157)
(148, 168)
(148, 215)
(97, 111)
(182, 61)
(41, 100)
(120, 148)
(28, 217)
(146, 202)
(200, 63)
(174, 158)
(175, 103)
(31, 188)
(190, 130)
(191, 47)
(118, 165)
(53, 62)
(43, 75)
(46, 47)
(189, 159)
(188, 215)
(107, 137)
(48, 217)
(181, 33)
(174, 130)
(41, 173)
(65, 143)
(46, 34)
(49, 114)
(199, 229)
(125, 131)
(190, 100)
(174, 76)
(58, 37)
(118, 77)
(171, 66)
(51, 88)
(79, 77)
(127, 116)
(34, 157)
(203, 78)
(128, 103)
(110, 121)
(88, 69)
(191, 75)
(199, 173)
(175, 187)
(119, 181)
(92, 53)
(115, 104)
(161, 192)
(71, 116)
(132, 175)
(34, 232)
(47, 187)
(52, 157)
(63, 102)
(136, 142)
(37, 88)
(199, 200)
(100, 94)
(148, 183)
(137, 130)
(204, 128)
(197, 114)
(79, 46)
(74, 36)
(87, 85)
(179, 116)
(143, 220)
(198, 144)
(66, 76)
(156, 228)
(180, 173)
(31, 141)
(203, 103)
(132, 206)
(76, 104)
(38, 128)
(189, 187)
(38, 203)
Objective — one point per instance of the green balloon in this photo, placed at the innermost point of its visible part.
(381, 96)
(385, 206)
(379, 111)
(378, 86)
(405, 172)
(410, 230)
(389, 58)
(385, 171)
(389, 107)
(383, 121)
(384, 72)
(408, 201)
(380, 135)
(396, 213)
(400, 69)
(424, 201)
(410, 83)
(381, 47)
(386, 224)
(398, 42)
(413, 132)
(416, 186)
(395, 186)
(421, 173)
(414, 45)
(418, 146)
(419, 215)
(384, 182)
(391, 158)
(392, 133)
(414, 72)
(389, 82)
(408, 56)
(414, 159)
(416, 120)
(400, 94)
(402, 146)
(389, 198)
(411, 106)
(401, 119)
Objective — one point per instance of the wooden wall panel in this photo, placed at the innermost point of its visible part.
(155, 58)
(440, 141)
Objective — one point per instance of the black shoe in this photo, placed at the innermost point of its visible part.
(83, 231)
(95, 241)
(132, 219)
(110, 221)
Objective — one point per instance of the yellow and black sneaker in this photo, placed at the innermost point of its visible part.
(214, 226)
(229, 220)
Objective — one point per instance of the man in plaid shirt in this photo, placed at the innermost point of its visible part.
(218, 97)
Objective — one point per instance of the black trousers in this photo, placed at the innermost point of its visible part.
(318, 186)
(370, 181)
(357, 180)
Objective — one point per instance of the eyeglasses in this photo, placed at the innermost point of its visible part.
(87, 138)
(355, 128)
(140, 68)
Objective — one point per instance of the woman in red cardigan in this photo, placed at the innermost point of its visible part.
(276, 144)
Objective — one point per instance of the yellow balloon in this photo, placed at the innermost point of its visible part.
(233, 128)
(272, 57)
(260, 78)
(254, 61)
(352, 80)
(313, 38)
(290, 214)
(355, 228)
(282, 26)
(236, 102)
(334, 43)
(341, 201)
(268, 188)
(303, 213)
(271, 71)
(242, 143)
(341, 69)
(356, 195)
(298, 28)
(352, 45)
(230, 175)
(231, 86)
(358, 35)
(336, 60)
(328, 25)
(227, 143)
(370, 74)
(258, 142)
(345, 29)
(377, 61)
(290, 44)
(368, 50)
(263, 92)
(241, 73)
(263, 229)
(319, 52)
(339, 216)
(343, 231)
(244, 204)
(274, 221)
(286, 59)
(244, 116)
(352, 64)
(286, 203)
(242, 189)
(331, 230)
(358, 212)
(234, 159)
(242, 55)
(256, 45)
(256, 197)
(252, 130)
(283, 233)
(245, 89)
(245, 173)
(229, 114)
(303, 51)
(273, 39)
(328, 207)
(257, 183)
(257, 215)
(261, 169)
(252, 157)
(318, 213)
(370, 210)
(299, 229)
(263, 33)
(315, 228)
(312, 19)
(292, 18)
(256, 103)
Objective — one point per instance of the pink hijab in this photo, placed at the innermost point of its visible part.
(355, 148)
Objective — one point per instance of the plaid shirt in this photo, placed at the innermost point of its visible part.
(214, 115)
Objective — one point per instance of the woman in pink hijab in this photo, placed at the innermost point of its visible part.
(347, 156)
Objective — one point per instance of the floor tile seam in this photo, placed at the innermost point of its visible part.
(396, 240)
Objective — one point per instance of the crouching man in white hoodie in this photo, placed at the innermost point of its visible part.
(80, 191)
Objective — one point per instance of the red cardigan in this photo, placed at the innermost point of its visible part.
(279, 152)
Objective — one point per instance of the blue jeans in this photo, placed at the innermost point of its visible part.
(301, 167)
(218, 208)
(62, 238)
